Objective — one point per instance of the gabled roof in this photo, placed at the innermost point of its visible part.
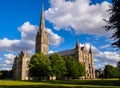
(65, 52)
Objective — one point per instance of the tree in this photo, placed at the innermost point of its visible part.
(118, 67)
(71, 66)
(74, 69)
(57, 65)
(39, 66)
(5, 74)
(81, 69)
(111, 72)
(114, 22)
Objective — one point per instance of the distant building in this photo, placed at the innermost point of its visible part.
(81, 54)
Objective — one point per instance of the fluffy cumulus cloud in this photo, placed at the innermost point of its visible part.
(51, 52)
(28, 31)
(25, 43)
(9, 56)
(54, 39)
(79, 15)
(7, 61)
(6, 44)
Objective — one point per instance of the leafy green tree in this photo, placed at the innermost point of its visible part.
(57, 65)
(81, 69)
(39, 66)
(5, 74)
(118, 67)
(74, 69)
(114, 22)
(111, 72)
(71, 66)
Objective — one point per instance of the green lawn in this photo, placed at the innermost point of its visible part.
(60, 84)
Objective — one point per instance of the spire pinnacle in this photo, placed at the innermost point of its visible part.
(85, 49)
(77, 43)
(90, 49)
(42, 22)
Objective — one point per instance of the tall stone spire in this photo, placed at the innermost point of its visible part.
(42, 21)
(42, 36)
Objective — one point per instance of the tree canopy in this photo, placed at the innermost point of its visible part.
(81, 69)
(118, 67)
(111, 72)
(74, 69)
(39, 66)
(114, 22)
(57, 65)
(5, 74)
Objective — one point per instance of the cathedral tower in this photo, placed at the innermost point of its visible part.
(42, 36)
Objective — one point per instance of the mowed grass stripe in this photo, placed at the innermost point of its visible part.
(60, 84)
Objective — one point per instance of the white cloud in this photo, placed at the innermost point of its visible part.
(9, 56)
(105, 57)
(50, 52)
(28, 31)
(6, 44)
(8, 62)
(96, 60)
(104, 46)
(54, 39)
(79, 15)
(109, 56)
(26, 42)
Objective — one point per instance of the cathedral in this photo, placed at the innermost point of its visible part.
(81, 54)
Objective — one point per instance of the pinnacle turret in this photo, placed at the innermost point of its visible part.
(77, 43)
(85, 48)
(90, 49)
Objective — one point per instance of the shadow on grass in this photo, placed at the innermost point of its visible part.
(84, 82)
(67, 84)
(53, 86)
(38, 86)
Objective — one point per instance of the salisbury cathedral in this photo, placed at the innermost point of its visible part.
(81, 54)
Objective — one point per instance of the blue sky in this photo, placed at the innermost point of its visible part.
(66, 20)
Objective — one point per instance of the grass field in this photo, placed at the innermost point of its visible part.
(60, 84)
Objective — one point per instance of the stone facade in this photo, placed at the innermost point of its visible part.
(20, 66)
(81, 54)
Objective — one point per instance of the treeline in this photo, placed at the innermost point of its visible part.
(5, 74)
(109, 72)
(56, 66)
